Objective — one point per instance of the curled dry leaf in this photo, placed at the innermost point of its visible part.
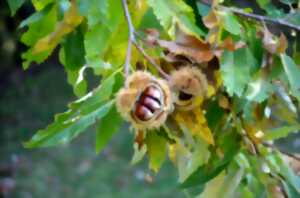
(189, 46)
(196, 50)
(273, 44)
(211, 20)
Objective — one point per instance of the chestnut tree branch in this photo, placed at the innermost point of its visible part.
(257, 17)
(130, 38)
(264, 19)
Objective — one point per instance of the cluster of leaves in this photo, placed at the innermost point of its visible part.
(254, 84)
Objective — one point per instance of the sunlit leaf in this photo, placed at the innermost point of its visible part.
(41, 4)
(293, 72)
(40, 27)
(82, 113)
(157, 150)
(100, 37)
(70, 21)
(235, 69)
(281, 132)
(231, 24)
(215, 165)
(231, 182)
(212, 188)
(259, 89)
(94, 10)
(172, 12)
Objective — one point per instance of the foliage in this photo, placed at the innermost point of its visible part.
(253, 76)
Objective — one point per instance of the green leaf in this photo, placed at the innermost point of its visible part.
(74, 50)
(291, 191)
(270, 8)
(37, 16)
(231, 183)
(75, 77)
(100, 38)
(281, 132)
(259, 90)
(14, 5)
(293, 74)
(139, 153)
(77, 80)
(82, 113)
(235, 70)
(64, 132)
(109, 125)
(212, 187)
(157, 150)
(291, 179)
(203, 9)
(229, 142)
(38, 28)
(95, 10)
(41, 4)
(231, 23)
(289, 2)
(293, 17)
(175, 12)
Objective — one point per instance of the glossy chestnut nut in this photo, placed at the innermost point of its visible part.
(148, 104)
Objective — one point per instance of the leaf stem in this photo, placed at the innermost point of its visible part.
(132, 40)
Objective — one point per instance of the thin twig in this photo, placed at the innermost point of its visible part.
(132, 40)
(142, 51)
(258, 17)
(264, 19)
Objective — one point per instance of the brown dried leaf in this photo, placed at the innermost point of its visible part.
(272, 44)
(152, 35)
(194, 49)
(282, 44)
(224, 102)
(269, 41)
(199, 52)
(189, 46)
(229, 44)
(211, 20)
(139, 138)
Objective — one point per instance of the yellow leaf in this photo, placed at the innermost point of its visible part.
(210, 91)
(256, 135)
(172, 152)
(202, 127)
(199, 116)
(206, 134)
(70, 21)
(218, 77)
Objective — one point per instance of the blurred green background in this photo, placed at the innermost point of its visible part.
(28, 101)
